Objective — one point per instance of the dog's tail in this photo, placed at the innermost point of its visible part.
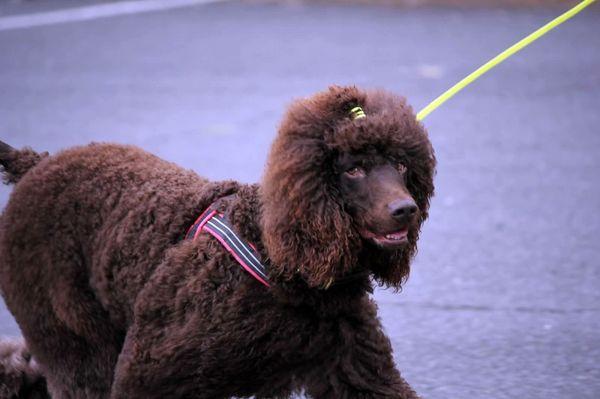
(15, 163)
(20, 376)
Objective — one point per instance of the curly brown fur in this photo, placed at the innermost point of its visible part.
(20, 376)
(113, 303)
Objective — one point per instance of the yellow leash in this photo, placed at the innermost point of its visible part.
(501, 57)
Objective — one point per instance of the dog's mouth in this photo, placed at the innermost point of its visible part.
(392, 239)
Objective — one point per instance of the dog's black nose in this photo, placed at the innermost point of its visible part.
(403, 208)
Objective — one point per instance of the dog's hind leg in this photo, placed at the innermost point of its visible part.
(77, 362)
(46, 265)
(75, 366)
(67, 330)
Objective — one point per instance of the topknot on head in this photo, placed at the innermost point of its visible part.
(322, 112)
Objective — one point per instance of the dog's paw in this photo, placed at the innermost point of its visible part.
(20, 375)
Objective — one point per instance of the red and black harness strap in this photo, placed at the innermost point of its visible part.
(216, 224)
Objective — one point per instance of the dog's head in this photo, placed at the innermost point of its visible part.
(341, 186)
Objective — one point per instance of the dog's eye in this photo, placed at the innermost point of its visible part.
(401, 168)
(355, 172)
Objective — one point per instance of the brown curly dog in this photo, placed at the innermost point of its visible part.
(114, 303)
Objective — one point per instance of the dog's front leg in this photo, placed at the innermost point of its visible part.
(159, 362)
(167, 351)
(361, 367)
(142, 372)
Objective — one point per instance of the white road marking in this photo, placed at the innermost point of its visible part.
(94, 12)
(430, 71)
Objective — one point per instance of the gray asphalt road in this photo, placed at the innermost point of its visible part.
(504, 297)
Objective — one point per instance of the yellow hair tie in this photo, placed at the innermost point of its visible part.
(357, 113)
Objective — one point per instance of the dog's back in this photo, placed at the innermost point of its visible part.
(80, 235)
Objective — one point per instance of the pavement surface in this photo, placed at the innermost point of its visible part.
(504, 295)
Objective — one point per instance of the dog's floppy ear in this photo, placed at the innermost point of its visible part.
(305, 230)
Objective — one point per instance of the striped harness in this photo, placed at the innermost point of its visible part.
(216, 224)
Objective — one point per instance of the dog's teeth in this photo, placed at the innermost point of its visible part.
(395, 236)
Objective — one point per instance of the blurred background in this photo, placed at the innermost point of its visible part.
(504, 295)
